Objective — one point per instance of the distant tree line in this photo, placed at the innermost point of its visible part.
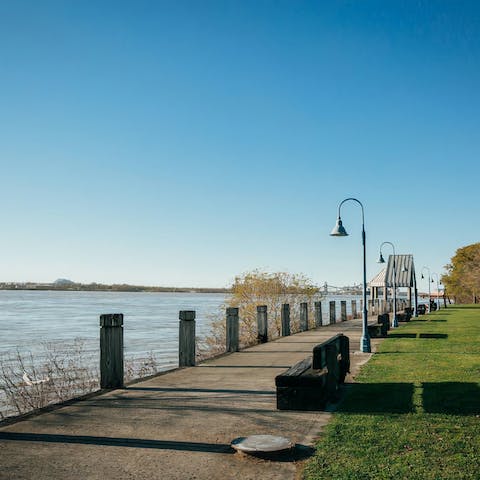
(92, 287)
(462, 280)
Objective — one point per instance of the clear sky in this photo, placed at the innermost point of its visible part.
(185, 142)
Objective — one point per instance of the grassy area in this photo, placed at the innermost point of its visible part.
(415, 413)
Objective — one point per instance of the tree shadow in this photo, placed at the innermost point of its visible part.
(402, 335)
(275, 351)
(117, 442)
(453, 398)
(202, 390)
(467, 307)
(433, 335)
(378, 398)
(244, 366)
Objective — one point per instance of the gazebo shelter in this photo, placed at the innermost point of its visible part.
(404, 277)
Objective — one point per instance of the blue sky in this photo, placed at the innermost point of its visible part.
(182, 143)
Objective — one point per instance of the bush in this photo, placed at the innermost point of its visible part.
(261, 288)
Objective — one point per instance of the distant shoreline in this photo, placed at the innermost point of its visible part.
(98, 287)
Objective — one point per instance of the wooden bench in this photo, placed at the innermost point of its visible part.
(309, 384)
(379, 329)
(406, 315)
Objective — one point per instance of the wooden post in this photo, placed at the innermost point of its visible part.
(354, 309)
(186, 339)
(381, 308)
(262, 324)
(232, 329)
(111, 350)
(332, 312)
(285, 320)
(303, 316)
(318, 314)
(343, 310)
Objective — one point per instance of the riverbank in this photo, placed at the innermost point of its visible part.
(415, 412)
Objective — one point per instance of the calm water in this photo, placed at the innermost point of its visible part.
(30, 318)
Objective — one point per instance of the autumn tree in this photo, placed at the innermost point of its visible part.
(462, 280)
(261, 288)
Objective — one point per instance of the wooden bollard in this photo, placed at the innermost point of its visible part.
(303, 317)
(285, 320)
(354, 309)
(333, 318)
(262, 324)
(186, 339)
(318, 314)
(343, 310)
(232, 329)
(381, 308)
(111, 350)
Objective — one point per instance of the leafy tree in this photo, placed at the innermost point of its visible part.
(462, 280)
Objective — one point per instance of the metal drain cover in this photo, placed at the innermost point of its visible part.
(262, 444)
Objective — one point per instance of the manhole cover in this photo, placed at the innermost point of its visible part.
(262, 444)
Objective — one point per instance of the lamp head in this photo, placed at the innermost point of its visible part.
(381, 259)
(339, 230)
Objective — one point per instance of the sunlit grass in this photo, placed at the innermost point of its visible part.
(415, 413)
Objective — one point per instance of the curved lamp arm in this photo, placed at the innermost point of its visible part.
(355, 200)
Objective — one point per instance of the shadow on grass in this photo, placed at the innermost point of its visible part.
(433, 335)
(402, 335)
(378, 398)
(453, 398)
(466, 307)
(418, 335)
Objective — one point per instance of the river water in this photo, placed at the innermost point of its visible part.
(30, 319)
(40, 328)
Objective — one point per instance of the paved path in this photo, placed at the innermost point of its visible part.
(178, 425)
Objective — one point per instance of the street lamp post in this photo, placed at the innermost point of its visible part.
(339, 231)
(382, 260)
(438, 291)
(429, 294)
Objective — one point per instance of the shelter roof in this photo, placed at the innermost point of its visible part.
(379, 279)
(404, 271)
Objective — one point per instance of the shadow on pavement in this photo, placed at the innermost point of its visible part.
(201, 390)
(117, 442)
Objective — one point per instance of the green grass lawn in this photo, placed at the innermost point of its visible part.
(415, 413)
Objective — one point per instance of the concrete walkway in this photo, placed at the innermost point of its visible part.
(178, 425)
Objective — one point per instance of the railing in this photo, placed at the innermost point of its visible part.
(111, 334)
